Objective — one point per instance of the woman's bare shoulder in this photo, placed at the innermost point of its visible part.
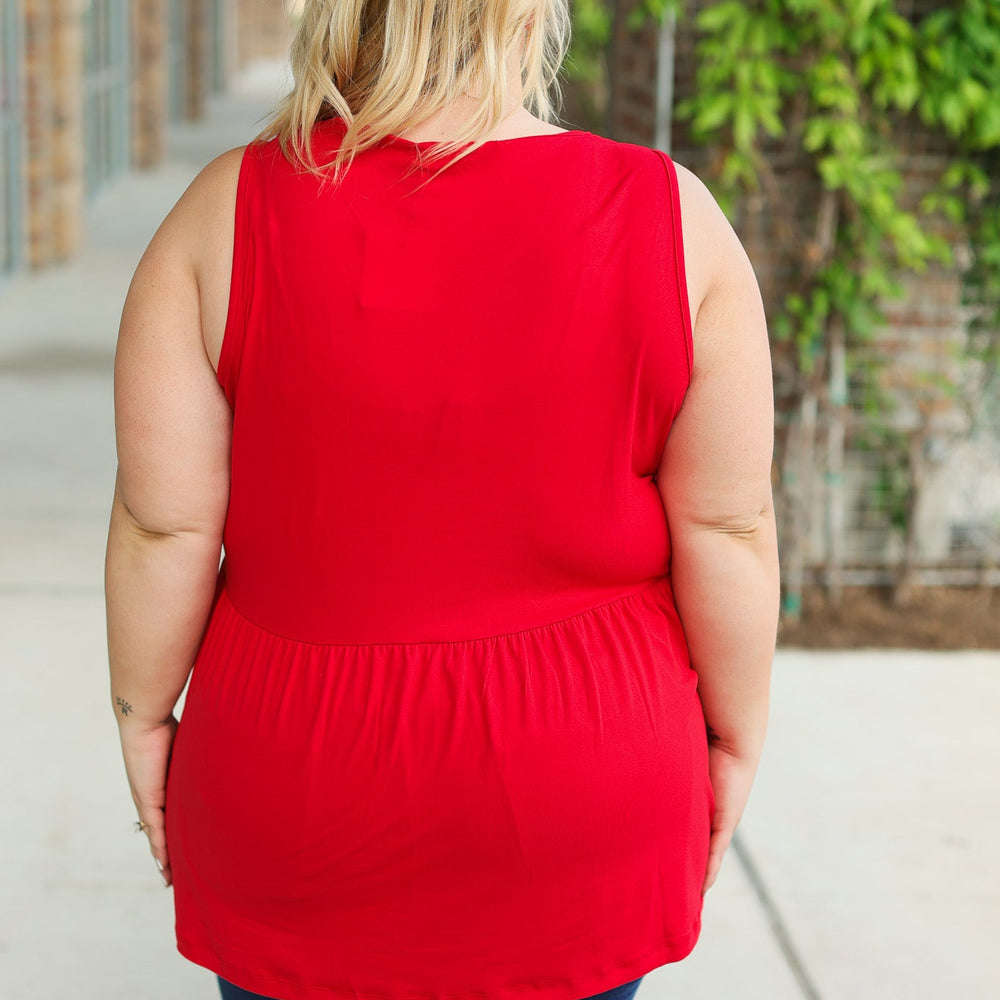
(210, 199)
(203, 199)
(201, 227)
(714, 257)
(200, 219)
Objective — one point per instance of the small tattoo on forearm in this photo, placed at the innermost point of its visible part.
(123, 706)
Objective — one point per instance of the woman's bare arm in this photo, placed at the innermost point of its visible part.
(715, 482)
(173, 431)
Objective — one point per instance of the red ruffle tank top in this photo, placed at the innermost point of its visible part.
(442, 739)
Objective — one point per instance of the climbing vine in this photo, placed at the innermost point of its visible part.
(837, 86)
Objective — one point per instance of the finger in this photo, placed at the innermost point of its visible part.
(711, 872)
(163, 867)
(155, 829)
(718, 846)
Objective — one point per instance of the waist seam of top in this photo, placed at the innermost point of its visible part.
(658, 581)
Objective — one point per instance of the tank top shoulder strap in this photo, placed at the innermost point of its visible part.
(240, 286)
(673, 201)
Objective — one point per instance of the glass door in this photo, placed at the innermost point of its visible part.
(10, 137)
(105, 91)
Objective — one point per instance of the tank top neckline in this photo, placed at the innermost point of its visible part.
(391, 139)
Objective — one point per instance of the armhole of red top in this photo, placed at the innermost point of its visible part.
(677, 235)
(236, 312)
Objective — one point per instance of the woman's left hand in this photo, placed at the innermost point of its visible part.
(731, 777)
(146, 749)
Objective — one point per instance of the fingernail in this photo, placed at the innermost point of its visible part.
(166, 884)
(159, 864)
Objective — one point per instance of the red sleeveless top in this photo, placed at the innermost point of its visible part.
(442, 739)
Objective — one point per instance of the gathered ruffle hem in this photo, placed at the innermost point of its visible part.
(422, 821)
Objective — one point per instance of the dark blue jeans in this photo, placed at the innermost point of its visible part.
(624, 992)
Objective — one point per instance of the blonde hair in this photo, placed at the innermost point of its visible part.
(385, 66)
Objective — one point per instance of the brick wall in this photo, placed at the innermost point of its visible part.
(52, 119)
(199, 54)
(148, 44)
(919, 345)
(53, 115)
(67, 129)
(632, 73)
(265, 29)
(36, 86)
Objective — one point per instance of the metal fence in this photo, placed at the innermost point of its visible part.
(927, 509)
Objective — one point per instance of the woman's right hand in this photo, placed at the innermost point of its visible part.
(731, 777)
(147, 749)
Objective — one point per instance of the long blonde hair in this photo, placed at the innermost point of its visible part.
(385, 66)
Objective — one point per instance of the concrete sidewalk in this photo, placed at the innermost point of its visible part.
(868, 864)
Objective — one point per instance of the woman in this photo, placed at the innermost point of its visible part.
(478, 694)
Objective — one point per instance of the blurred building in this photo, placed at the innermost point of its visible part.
(87, 89)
